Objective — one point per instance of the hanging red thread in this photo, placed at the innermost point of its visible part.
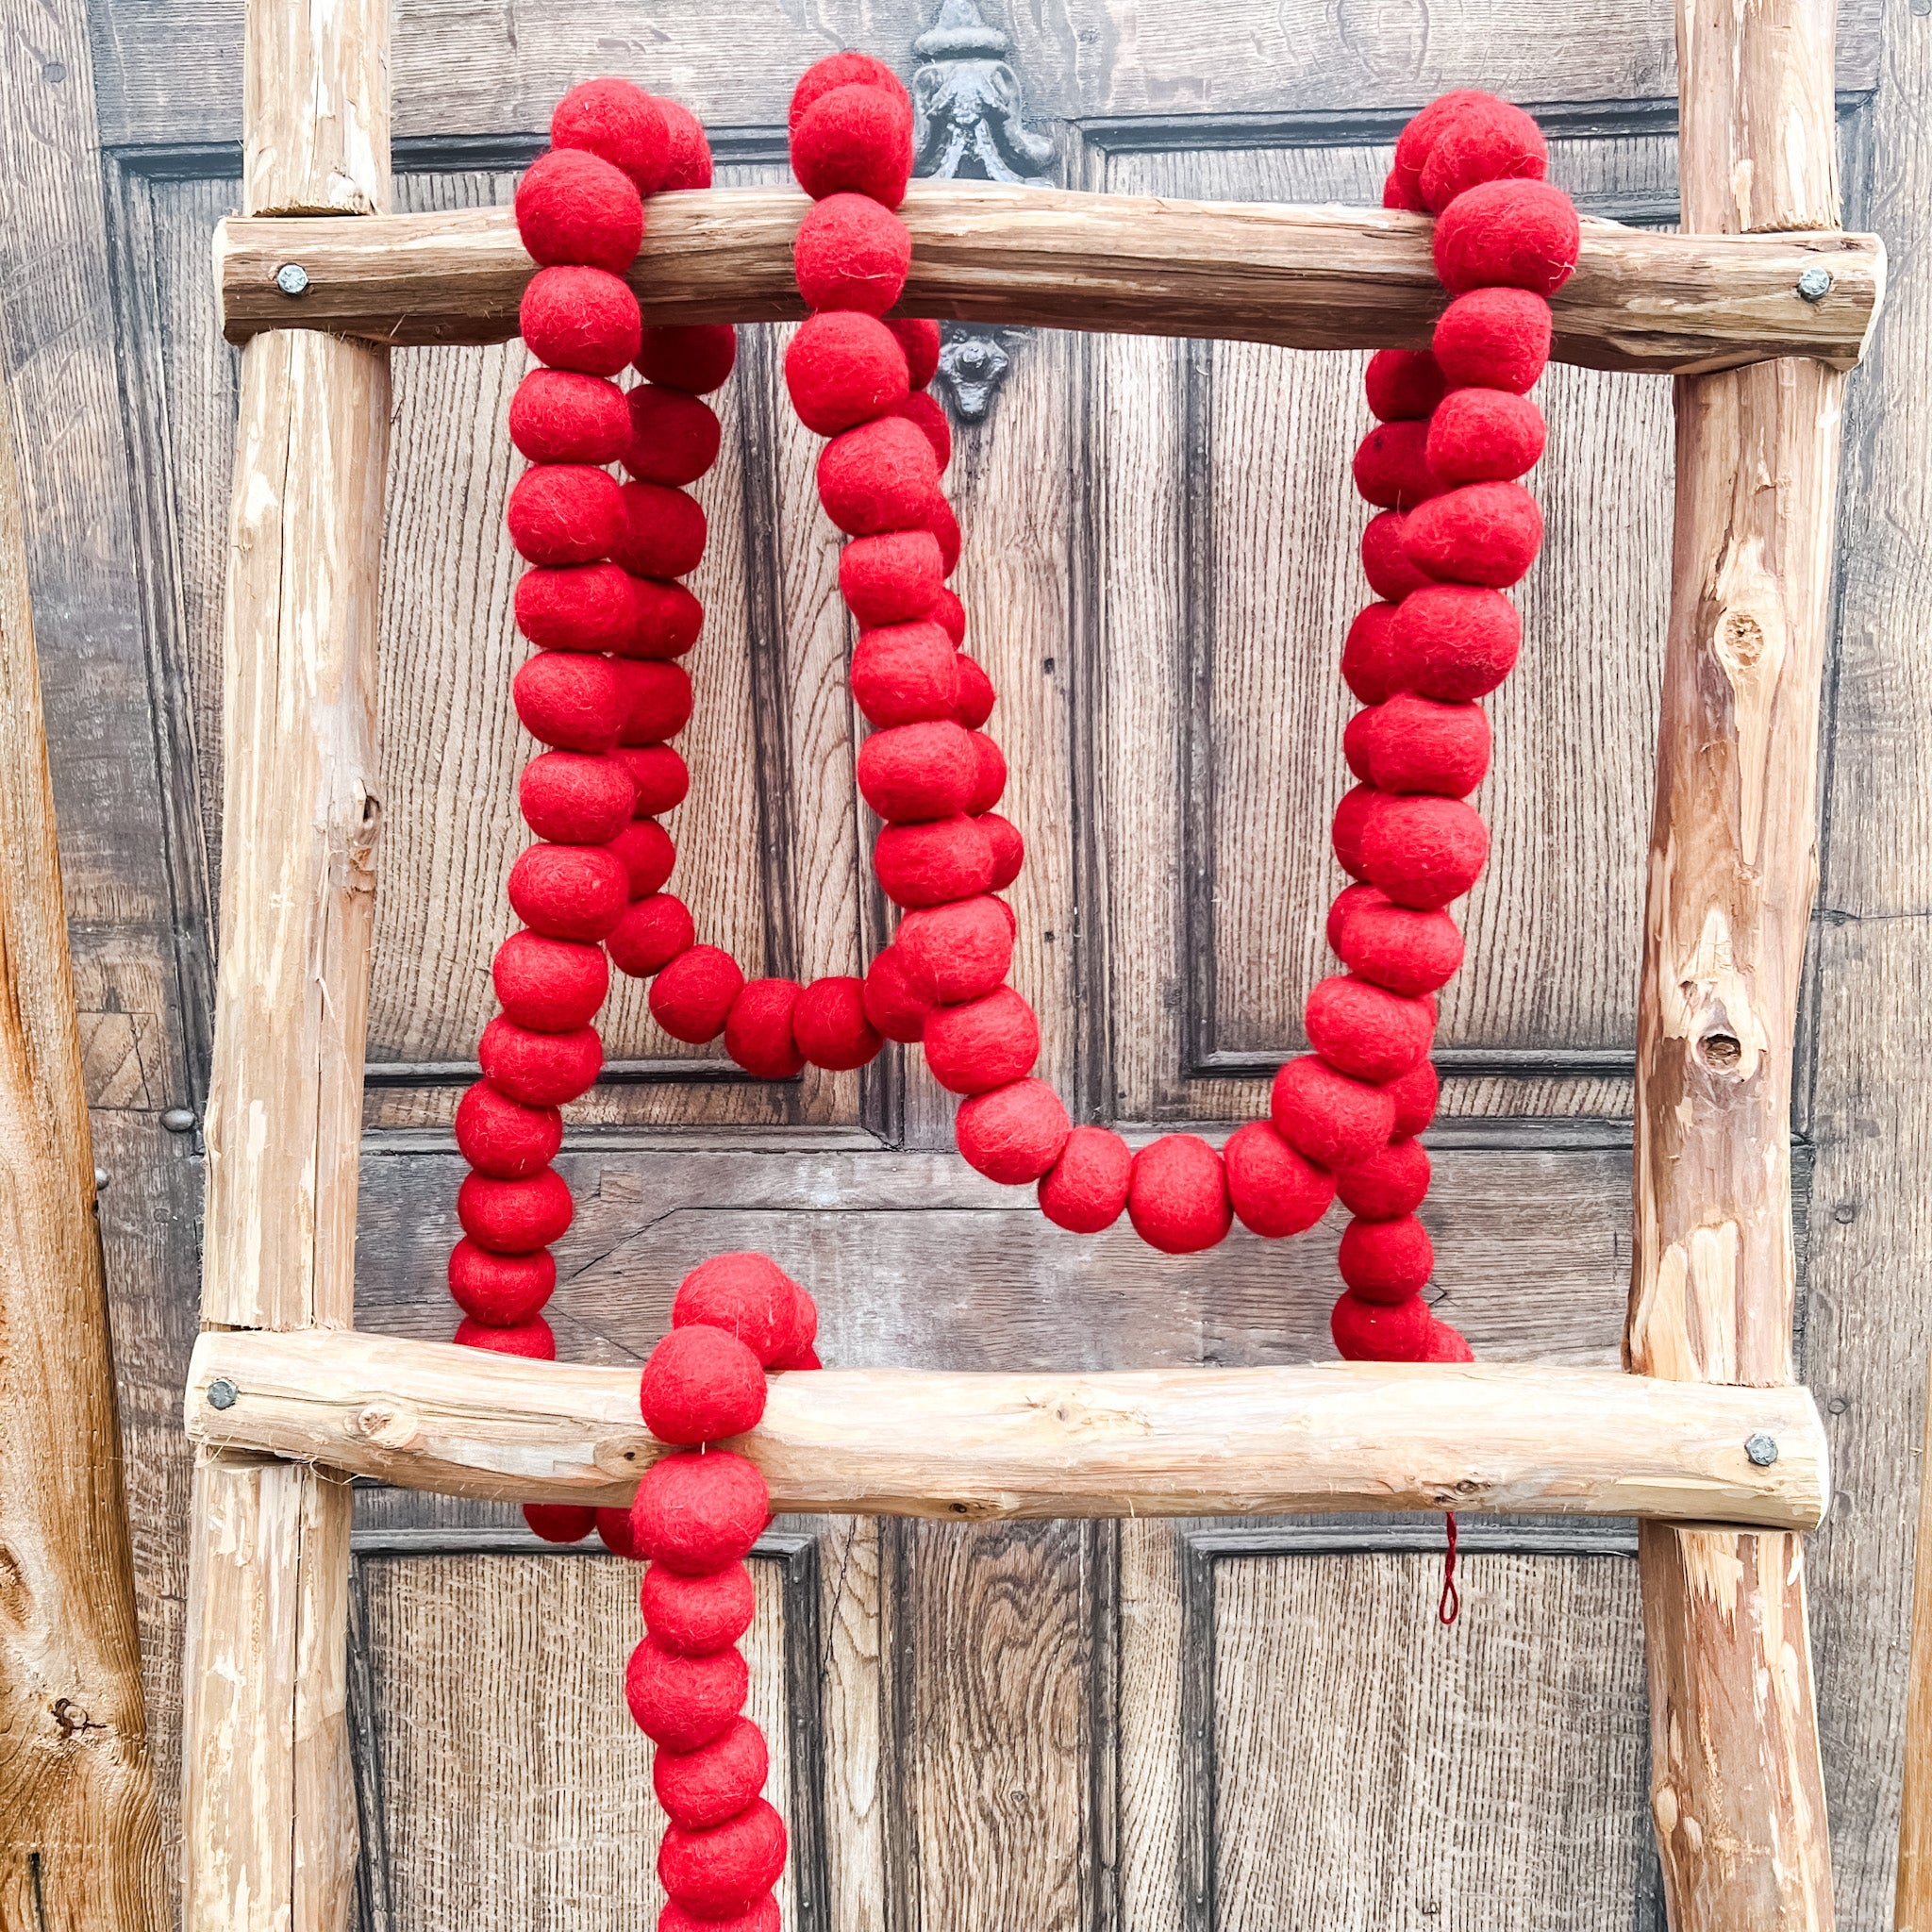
(1449, 1606)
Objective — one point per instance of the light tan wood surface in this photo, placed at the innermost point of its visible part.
(1912, 1911)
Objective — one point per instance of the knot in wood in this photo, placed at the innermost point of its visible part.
(1741, 640)
(387, 1426)
(1721, 1052)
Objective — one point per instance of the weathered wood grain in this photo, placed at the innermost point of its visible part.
(1301, 277)
(1913, 1908)
(316, 108)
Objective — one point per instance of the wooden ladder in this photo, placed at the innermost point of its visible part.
(1757, 310)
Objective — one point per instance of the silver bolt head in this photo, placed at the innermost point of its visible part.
(292, 279)
(178, 1120)
(222, 1393)
(1814, 285)
(1761, 1450)
(100, 1180)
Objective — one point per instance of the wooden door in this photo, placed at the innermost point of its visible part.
(1149, 1727)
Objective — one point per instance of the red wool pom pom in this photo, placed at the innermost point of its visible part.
(731, 1867)
(614, 1533)
(851, 254)
(757, 1030)
(1487, 141)
(656, 699)
(696, 1615)
(976, 701)
(1086, 1189)
(915, 771)
(683, 1702)
(1335, 1121)
(574, 799)
(561, 513)
(880, 477)
(855, 139)
(950, 615)
(944, 525)
(750, 1296)
(651, 934)
(1013, 1134)
(843, 369)
(1409, 952)
(1388, 568)
(569, 891)
(1512, 234)
(504, 1139)
(1415, 744)
(830, 1024)
(1453, 643)
(1351, 816)
(925, 414)
(500, 1290)
(514, 1217)
(1392, 466)
(573, 207)
(569, 699)
(1417, 140)
(1387, 1185)
(557, 416)
(585, 319)
(1177, 1196)
(1366, 666)
(551, 986)
(1344, 906)
(618, 122)
(933, 862)
(687, 154)
(893, 578)
(959, 951)
(988, 1043)
(989, 777)
(1483, 533)
(531, 1339)
(1365, 1032)
(1493, 339)
(648, 855)
(700, 1385)
(1445, 1345)
(762, 1916)
(1386, 1260)
(1273, 1190)
(1366, 1331)
(694, 356)
(658, 774)
(697, 1513)
(540, 1069)
(1008, 848)
(559, 1522)
(906, 673)
(691, 997)
(1355, 741)
(1485, 436)
(1414, 1098)
(1423, 851)
(847, 68)
(1403, 385)
(702, 1788)
(589, 608)
(919, 336)
(895, 1002)
(669, 619)
(663, 533)
(673, 437)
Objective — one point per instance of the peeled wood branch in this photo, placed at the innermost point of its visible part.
(1303, 277)
(1160, 1442)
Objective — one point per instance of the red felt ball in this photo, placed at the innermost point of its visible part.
(1364, 1031)
(895, 1002)
(1493, 339)
(857, 140)
(1392, 466)
(1012, 1133)
(933, 862)
(976, 700)
(701, 1385)
(669, 619)
(944, 524)
(691, 997)
(878, 477)
(500, 1290)
(958, 952)
(926, 415)
(514, 1217)
(1177, 1196)
(550, 986)
(540, 1069)
(569, 699)
(847, 68)
(1365, 653)
(585, 319)
(697, 1513)
(750, 1296)
(851, 254)
(683, 1702)
(1415, 744)
(919, 336)
(1423, 851)
(1485, 435)
(1417, 140)
(1366, 1331)
(618, 121)
(569, 891)
(802, 1355)
(694, 356)
(575, 207)
(1414, 1098)
(1086, 1189)
(663, 533)
(557, 416)
(1351, 816)
(830, 1024)
(1489, 140)
(1483, 533)
(687, 154)
(757, 1030)
(559, 1522)
(1355, 740)
(1343, 907)
(915, 771)
(843, 369)
(1443, 1344)
(1275, 1190)
(1406, 950)
(906, 673)
(614, 1532)
(575, 799)
(989, 777)
(648, 854)
(1391, 571)
(1512, 234)
(1388, 1184)
(592, 608)
(762, 1915)
(1008, 848)
(656, 699)
(673, 437)
(651, 934)
(696, 1615)
(718, 1780)
(504, 1139)
(1403, 385)
(733, 1865)
(1453, 643)
(984, 1043)
(531, 1340)
(950, 615)
(893, 578)
(1386, 1260)
(1335, 1121)
(563, 514)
